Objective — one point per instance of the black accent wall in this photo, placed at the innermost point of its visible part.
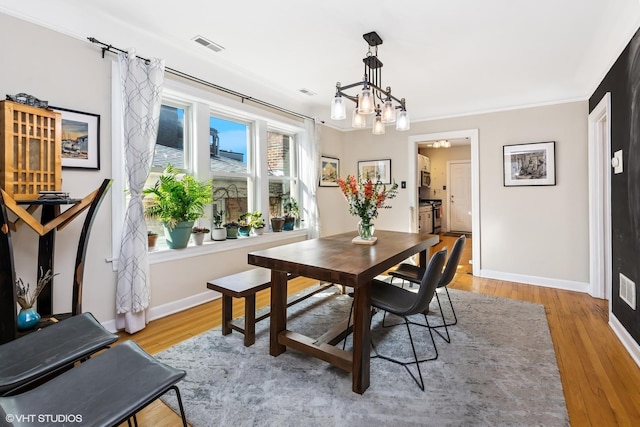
(623, 81)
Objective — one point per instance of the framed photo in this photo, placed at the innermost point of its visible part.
(377, 170)
(80, 139)
(530, 164)
(329, 171)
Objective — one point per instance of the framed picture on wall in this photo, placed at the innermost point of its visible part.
(80, 139)
(529, 164)
(376, 170)
(329, 171)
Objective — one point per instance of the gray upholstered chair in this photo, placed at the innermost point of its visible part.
(413, 274)
(404, 303)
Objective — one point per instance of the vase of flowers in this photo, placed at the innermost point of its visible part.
(28, 317)
(365, 197)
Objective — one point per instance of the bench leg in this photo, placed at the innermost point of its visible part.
(227, 307)
(249, 320)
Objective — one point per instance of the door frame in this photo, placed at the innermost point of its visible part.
(600, 258)
(412, 184)
(449, 163)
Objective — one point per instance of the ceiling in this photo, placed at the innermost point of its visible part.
(446, 58)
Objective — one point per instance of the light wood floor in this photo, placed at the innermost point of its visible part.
(600, 380)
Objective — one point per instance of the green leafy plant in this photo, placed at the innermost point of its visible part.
(217, 220)
(256, 219)
(176, 200)
(291, 208)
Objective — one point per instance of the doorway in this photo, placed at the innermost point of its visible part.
(600, 200)
(412, 183)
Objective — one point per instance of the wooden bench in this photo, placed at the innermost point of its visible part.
(245, 285)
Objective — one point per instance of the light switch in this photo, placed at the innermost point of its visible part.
(616, 162)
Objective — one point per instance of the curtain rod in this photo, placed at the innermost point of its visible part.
(112, 49)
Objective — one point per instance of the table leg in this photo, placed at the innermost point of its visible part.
(361, 338)
(422, 259)
(227, 308)
(249, 320)
(278, 311)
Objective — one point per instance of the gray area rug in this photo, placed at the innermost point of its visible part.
(500, 369)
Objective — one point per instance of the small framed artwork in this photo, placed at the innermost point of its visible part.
(376, 170)
(329, 171)
(80, 139)
(530, 164)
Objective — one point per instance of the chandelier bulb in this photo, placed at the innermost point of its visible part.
(365, 101)
(388, 112)
(378, 126)
(402, 121)
(358, 120)
(338, 109)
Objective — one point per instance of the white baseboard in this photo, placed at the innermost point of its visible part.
(568, 285)
(172, 307)
(627, 340)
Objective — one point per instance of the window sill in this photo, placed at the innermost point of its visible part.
(211, 246)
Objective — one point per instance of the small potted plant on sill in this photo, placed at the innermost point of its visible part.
(244, 224)
(152, 237)
(257, 223)
(198, 234)
(218, 233)
(232, 230)
(291, 213)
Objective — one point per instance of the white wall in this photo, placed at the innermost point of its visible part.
(530, 234)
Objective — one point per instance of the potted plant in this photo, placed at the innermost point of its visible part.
(219, 232)
(291, 213)
(178, 203)
(276, 224)
(232, 230)
(152, 237)
(257, 223)
(198, 234)
(244, 224)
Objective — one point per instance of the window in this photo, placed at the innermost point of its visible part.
(170, 145)
(231, 169)
(281, 167)
(249, 154)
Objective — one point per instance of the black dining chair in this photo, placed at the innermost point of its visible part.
(404, 303)
(413, 274)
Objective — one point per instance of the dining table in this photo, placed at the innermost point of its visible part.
(336, 259)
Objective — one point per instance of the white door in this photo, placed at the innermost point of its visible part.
(460, 196)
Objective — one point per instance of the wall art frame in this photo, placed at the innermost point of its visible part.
(329, 171)
(531, 164)
(377, 170)
(80, 139)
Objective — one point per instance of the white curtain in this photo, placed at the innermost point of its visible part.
(141, 83)
(310, 160)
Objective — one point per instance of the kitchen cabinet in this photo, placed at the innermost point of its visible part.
(424, 163)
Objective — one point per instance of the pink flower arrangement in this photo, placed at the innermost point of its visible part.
(365, 197)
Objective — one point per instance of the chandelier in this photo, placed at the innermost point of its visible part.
(372, 98)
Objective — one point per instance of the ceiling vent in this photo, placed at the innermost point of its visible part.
(208, 43)
(307, 92)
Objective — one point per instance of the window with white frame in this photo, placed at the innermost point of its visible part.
(253, 161)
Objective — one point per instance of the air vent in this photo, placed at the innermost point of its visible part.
(208, 43)
(628, 291)
(307, 92)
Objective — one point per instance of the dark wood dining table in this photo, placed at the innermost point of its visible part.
(336, 259)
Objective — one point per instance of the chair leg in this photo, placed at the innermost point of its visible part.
(445, 324)
(344, 342)
(416, 362)
(184, 418)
